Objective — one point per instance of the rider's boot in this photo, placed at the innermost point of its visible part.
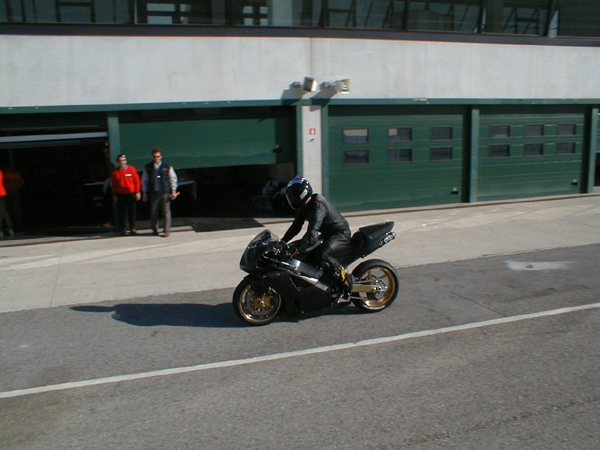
(346, 281)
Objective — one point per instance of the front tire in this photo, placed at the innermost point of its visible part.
(382, 276)
(254, 309)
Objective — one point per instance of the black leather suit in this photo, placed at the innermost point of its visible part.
(325, 222)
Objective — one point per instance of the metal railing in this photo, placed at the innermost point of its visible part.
(530, 17)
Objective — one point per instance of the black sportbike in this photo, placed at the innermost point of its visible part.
(280, 283)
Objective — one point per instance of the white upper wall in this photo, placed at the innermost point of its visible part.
(75, 70)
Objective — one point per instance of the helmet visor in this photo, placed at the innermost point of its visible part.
(296, 195)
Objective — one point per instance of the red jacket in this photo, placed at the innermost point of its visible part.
(126, 181)
(2, 189)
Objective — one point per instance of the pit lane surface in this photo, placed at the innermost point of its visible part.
(498, 352)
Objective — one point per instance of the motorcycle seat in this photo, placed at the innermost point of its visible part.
(357, 241)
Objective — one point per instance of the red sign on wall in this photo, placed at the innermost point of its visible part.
(312, 131)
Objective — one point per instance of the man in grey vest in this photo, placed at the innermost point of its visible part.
(159, 185)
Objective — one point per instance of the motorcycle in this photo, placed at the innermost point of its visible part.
(280, 282)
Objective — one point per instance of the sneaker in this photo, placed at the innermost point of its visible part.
(167, 234)
(133, 232)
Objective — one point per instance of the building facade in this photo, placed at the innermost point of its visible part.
(380, 104)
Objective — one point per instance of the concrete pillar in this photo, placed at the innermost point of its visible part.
(114, 135)
(473, 155)
(310, 163)
(590, 176)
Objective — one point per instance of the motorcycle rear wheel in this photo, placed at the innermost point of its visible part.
(254, 309)
(383, 277)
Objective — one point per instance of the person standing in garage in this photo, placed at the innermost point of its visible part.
(126, 187)
(159, 186)
(5, 221)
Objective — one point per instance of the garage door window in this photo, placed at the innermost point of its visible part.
(499, 151)
(440, 154)
(356, 157)
(399, 155)
(440, 133)
(533, 150)
(499, 131)
(565, 148)
(356, 136)
(566, 129)
(401, 134)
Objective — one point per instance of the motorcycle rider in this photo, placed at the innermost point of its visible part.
(324, 222)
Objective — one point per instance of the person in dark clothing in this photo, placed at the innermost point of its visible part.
(159, 187)
(324, 222)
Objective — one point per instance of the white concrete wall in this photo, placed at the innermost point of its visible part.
(312, 136)
(68, 70)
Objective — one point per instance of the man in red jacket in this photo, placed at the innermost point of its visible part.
(126, 187)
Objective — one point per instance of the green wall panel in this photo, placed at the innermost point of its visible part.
(383, 184)
(519, 175)
(212, 142)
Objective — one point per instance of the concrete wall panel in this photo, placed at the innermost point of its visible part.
(75, 70)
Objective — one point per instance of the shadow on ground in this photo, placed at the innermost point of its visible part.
(191, 314)
(169, 314)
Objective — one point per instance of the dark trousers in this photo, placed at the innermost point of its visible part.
(160, 204)
(5, 222)
(335, 244)
(126, 208)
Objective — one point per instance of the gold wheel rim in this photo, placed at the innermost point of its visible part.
(258, 309)
(386, 284)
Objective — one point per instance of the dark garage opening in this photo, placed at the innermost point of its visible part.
(63, 186)
(65, 192)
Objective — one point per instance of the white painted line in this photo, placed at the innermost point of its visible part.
(294, 354)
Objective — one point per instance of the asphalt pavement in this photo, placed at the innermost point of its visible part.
(494, 353)
(52, 272)
(113, 342)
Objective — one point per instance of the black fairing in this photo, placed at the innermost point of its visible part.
(297, 294)
(301, 295)
(263, 242)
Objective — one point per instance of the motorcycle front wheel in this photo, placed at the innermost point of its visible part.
(254, 309)
(378, 283)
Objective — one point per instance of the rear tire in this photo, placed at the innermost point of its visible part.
(253, 309)
(383, 277)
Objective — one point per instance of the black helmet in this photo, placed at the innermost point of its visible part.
(298, 190)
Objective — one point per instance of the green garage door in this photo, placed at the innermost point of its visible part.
(212, 142)
(528, 151)
(385, 157)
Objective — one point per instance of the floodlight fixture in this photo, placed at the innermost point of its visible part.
(342, 86)
(309, 84)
